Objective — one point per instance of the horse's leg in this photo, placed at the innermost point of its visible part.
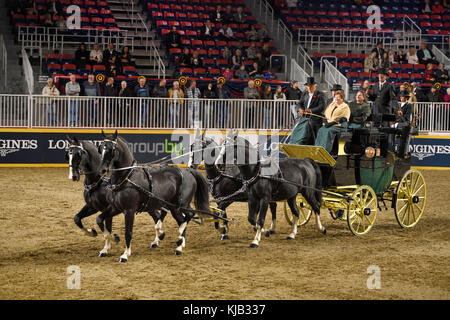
(107, 216)
(263, 206)
(273, 210)
(182, 223)
(222, 206)
(129, 221)
(293, 206)
(314, 200)
(159, 234)
(86, 211)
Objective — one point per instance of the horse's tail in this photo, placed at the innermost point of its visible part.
(202, 192)
(317, 186)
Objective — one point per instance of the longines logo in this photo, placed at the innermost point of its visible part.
(422, 151)
(11, 146)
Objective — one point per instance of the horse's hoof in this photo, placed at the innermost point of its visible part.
(122, 260)
(253, 245)
(102, 255)
(116, 238)
(216, 225)
(177, 252)
(93, 233)
(162, 235)
(269, 233)
(224, 237)
(324, 231)
(154, 245)
(290, 238)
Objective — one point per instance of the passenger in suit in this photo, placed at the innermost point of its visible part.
(311, 107)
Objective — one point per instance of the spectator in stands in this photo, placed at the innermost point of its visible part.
(237, 60)
(125, 58)
(228, 73)
(108, 53)
(267, 106)
(267, 93)
(48, 21)
(434, 95)
(226, 53)
(337, 113)
(207, 31)
(383, 97)
(81, 57)
(429, 75)
(359, 110)
(112, 68)
(239, 16)
(426, 7)
(384, 63)
(371, 62)
(263, 33)
(442, 74)
(335, 88)
(400, 57)
(411, 56)
(196, 62)
(61, 24)
(54, 8)
(418, 92)
(217, 16)
(224, 96)
(96, 55)
(251, 92)
(209, 92)
(255, 71)
(193, 94)
(91, 88)
(402, 89)
(173, 39)
(242, 74)
(252, 34)
(73, 90)
(437, 8)
(291, 4)
(125, 116)
(50, 90)
(185, 59)
(262, 63)
(412, 96)
(447, 96)
(266, 53)
(365, 88)
(109, 91)
(142, 90)
(425, 55)
(293, 93)
(252, 51)
(176, 96)
(279, 95)
(228, 16)
(160, 91)
(379, 50)
(226, 33)
(311, 102)
(391, 56)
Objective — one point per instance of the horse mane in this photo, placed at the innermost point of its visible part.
(92, 151)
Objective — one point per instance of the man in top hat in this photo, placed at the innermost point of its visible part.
(403, 120)
(312, 105)
(405, 110)
(383, 97)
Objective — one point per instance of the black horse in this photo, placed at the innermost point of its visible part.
(84, 159)
(140, 188)
(290, 177)
(226, 185)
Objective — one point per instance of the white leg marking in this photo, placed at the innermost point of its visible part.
(318, 223)
(126, 253)
(180, 237)
(70, 167)
(257, 239)
(294, 228)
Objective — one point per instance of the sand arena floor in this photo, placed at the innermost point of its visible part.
(39, 240)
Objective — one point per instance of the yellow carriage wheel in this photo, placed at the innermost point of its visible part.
(410, 198)
(304, 212)
(362, 210)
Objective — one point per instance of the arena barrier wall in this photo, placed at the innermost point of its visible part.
(46, 147)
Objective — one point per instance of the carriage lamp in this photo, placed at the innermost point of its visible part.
(370, 152)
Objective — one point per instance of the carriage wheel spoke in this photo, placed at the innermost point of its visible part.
(404, 206)
(417, 191)
(404, 215)
(415, 183)
(413, 213)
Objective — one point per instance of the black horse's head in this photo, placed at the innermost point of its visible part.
(109, 151)
(77, 157)
(203, 150)
(236, 150)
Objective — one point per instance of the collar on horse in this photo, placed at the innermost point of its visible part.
(91, 187)
(115, 187)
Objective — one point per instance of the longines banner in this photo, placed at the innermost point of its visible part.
(47, 147)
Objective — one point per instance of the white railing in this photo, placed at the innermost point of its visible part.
(304, 60)
(146, 30)
(37, 111)
(3, 60)
(55, 39)
(129, 7)
(333, 76)
(298, 74)
(412, 34)
(27, 72)
(441, 57)
(158, 63)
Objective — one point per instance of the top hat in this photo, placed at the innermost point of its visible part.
(310, 81)
(336, 87)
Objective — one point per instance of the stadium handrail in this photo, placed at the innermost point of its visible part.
(333, 76)
(4, 60)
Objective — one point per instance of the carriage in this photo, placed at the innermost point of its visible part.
(370, 171)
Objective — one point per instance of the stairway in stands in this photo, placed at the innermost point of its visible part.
(126, 13)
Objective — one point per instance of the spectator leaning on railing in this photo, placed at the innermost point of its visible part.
(92, 89)
(73, 90)
(50, 90)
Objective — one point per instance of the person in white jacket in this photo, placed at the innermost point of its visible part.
(50, 90)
